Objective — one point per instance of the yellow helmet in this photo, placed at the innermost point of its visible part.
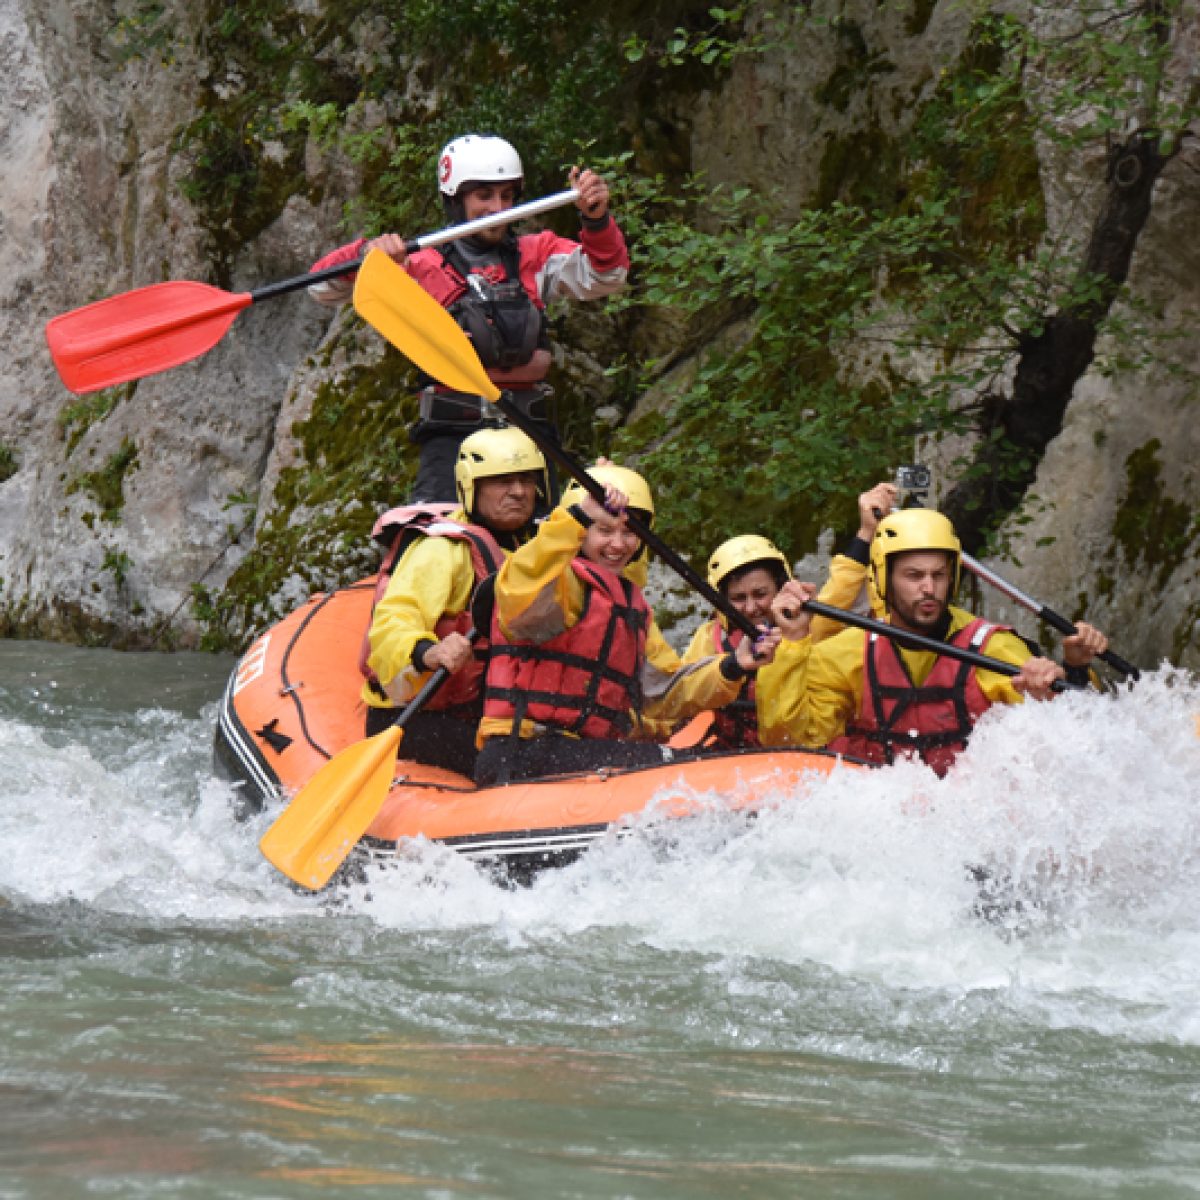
(636, 489)
(746, 550)
(912, 529)
(489, 452)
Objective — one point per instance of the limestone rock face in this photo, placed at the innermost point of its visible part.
(1112, 528)
(1115, 528)
(113, 507)
(121, 501)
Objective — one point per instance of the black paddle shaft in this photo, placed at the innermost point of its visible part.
(270, 290)
(1055, 620)
(1067, 627)
(918, 641)
(431, 685)
(595, 489)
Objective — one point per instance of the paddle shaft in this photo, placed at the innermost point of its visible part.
(1053, 619)
(439, 238)
(918, 641)
(578, 472)
(431, 685)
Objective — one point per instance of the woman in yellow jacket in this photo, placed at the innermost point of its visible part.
(749, 571)
(579, 675)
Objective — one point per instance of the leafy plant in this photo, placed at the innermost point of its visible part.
(77, 418)
(118, 563)
(145, 33)
(919, 297)
(107, 485)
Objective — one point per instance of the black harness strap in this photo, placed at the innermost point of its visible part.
(740, 715)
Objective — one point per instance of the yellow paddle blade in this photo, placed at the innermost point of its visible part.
(332, 811)
(388, 298)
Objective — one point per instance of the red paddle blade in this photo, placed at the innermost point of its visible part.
(139, 333)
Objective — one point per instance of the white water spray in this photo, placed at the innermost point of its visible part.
(1082, 812)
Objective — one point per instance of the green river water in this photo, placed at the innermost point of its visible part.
(803, 1005)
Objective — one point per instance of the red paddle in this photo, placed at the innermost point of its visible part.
(155, 328)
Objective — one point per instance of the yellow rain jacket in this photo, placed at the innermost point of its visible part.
(847, 578)
(433, 579)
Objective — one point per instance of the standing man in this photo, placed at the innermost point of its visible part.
(863, 694)
(497, 286)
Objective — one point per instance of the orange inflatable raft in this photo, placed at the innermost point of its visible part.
(293, 701)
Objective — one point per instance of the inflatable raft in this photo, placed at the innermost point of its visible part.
(293, 701)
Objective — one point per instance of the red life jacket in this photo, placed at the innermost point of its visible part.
(735, 726)
(396, 530)
(584, 680)
(933, 720)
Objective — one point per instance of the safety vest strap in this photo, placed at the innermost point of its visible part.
(397, 529)
(525, 700)
(734, 724)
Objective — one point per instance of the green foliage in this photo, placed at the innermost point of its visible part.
(558, 79)
(244, 162)
(1152, 530)
(973, 147)
(1107, 63)
(118, 563)
(145, 33)
(769, 433)
(8, 461)
(107, 485)
(77, 418)
(717, 42)
(921, 273)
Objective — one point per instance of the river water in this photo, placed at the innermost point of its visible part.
(805, 1004)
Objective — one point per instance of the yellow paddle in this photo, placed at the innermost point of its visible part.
(386, 296)
(332, 811)
(320, 827)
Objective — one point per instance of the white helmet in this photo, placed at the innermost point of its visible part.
(477, 158)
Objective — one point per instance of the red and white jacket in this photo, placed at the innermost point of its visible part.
(552, 268)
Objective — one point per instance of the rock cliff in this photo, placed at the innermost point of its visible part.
(124, 513)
